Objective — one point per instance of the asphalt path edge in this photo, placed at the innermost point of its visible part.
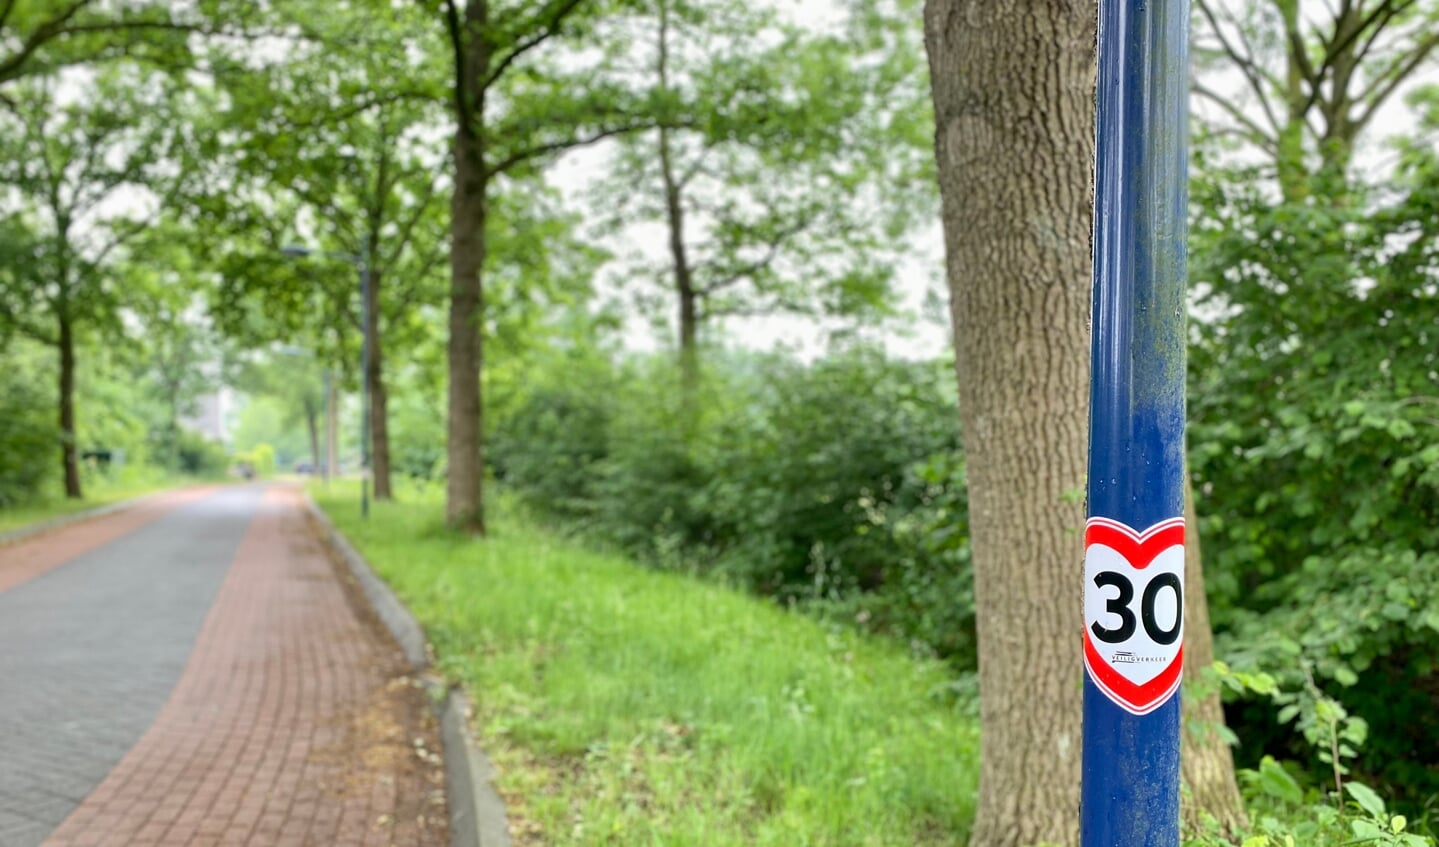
(477, 813)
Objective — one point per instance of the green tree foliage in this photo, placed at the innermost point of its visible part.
(1315, 410)
(41, 37)
(170, 343)
(513, 112)
(778, 123)
(286, 403)
(836, 484)
(1311, 78)
(1310, 368)
(28, 435)
(343, 137)
(87, 174)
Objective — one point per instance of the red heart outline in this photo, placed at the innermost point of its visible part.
(1139, 549)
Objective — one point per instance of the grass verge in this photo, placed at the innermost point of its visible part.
(626, 707)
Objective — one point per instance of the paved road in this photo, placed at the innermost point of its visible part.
(205, 678)
(90, 651)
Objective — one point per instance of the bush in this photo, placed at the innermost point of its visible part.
(836, 484)
(29, 441)
(548, 447)
(1315, 454)
(261, 460)
(198, 456)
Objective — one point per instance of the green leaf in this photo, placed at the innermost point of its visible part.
(1277, 783)
(1366, 798)
(1366, 830)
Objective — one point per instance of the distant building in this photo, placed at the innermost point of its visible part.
(212, 418)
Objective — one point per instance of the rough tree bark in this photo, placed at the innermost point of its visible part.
(1013, 87)
(1206, 763)
(464, 507)
(375, 379)
(69, 454)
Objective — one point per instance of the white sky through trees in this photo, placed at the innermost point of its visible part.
(920, 331)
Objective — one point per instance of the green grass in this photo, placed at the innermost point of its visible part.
(625, 706)
(97, 493)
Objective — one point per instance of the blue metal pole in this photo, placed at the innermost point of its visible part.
(1134, 539)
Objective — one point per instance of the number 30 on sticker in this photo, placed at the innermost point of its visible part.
(1120, 605)
(1134, 611)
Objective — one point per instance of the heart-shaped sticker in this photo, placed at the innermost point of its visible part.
(1134, 611)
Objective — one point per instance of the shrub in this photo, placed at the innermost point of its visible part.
(198, 456)
(29, 442)
(836, 484)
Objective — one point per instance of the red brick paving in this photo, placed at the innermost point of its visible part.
(293, 723)
(24, 560)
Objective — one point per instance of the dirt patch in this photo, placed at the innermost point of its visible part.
(393, 735)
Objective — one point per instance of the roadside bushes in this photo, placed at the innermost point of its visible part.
(839, 486)
(835, 484)
(198, 456)
(1315, 450)
(261, 460)
(29, 439)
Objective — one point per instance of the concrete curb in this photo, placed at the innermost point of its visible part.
(477, 813)
(477, 818)
(34, 529)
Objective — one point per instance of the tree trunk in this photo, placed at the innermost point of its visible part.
(332, 447)
(675, 218)
(683, 274)
(1206, 762)
(1013, 87)
(172, 395)
(69, 455)
(464, 485)
(464, 504)
(375, 381)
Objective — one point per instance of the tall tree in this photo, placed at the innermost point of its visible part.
(344, 132)
(1312, 76)
(511, 113)
(67, 167)
(1206, 762)
(782, 121)
(176, 353)
(1013, 87)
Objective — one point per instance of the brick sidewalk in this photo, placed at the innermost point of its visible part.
(294, 722)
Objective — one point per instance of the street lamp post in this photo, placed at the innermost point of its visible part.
(361, 263)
